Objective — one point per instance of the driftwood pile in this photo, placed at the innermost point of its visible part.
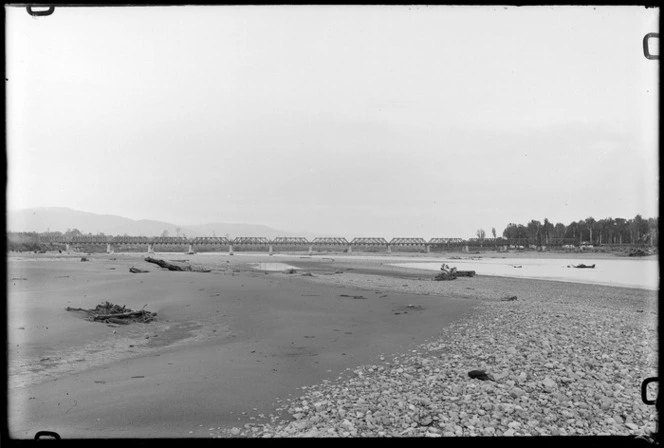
(116, 314)
(448, 273)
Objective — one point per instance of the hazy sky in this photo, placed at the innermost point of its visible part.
(353, 121)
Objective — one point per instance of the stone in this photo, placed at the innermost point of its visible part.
(515, 392)
(299, 425)
(426, 421)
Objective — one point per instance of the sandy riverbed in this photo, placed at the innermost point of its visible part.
(227, 342)
(231, 346)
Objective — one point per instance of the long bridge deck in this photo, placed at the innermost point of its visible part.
(287, 243)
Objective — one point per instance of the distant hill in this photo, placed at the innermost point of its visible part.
(61, 218)
(235, 230)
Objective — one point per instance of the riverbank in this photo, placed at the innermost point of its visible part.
(568, 359)
(247, 353)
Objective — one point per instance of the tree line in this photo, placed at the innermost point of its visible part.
(607, 231)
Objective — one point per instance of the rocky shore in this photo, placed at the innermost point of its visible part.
(566, 359)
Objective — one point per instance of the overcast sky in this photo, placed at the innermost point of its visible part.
(352, 121)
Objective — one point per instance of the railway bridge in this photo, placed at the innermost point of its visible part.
(293, 244)
(254, 244)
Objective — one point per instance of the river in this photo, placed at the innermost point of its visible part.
(633, 273)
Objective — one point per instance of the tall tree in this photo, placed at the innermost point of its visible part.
(622, 229)
(640, 228)
(534, 232)
(572, 231)
(653, 236)
(548, 230)
(590, 224)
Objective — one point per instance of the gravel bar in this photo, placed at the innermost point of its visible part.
(566, 359)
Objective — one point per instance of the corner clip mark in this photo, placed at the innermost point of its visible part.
(646, 47)
(46, 12)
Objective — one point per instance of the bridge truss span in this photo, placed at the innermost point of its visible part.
(369, 242)
(329, 241)
(251, 240)
(408, 242)
(291, 241)
(210, 240)
(176, 240)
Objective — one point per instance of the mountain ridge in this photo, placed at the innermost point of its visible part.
(43, 219)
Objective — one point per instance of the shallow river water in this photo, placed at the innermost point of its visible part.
(634, 273)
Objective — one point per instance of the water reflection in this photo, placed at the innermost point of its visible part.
(274, 267)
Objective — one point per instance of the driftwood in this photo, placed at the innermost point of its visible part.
(638, 253)
(117, 321)
(174, 267)
(480, 375)
(110, 313)
(134, 270)
(508, 298)
(582, 266)
(448, 273)
(166, 264)
(352, 297)
(445, 276)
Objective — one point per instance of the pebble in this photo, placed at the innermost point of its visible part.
(551, 379)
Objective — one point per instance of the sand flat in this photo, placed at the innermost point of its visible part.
(227, 342)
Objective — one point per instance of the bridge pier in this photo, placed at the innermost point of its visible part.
(109, 248)
(311, 250)
(270, 249)
(150, 249)
(465, 249)
(191, 249)
(350, 249)
(427, 248)
(230, 249)
(389, 249)
(67, 247)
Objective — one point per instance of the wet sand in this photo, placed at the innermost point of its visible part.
(228, 342)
